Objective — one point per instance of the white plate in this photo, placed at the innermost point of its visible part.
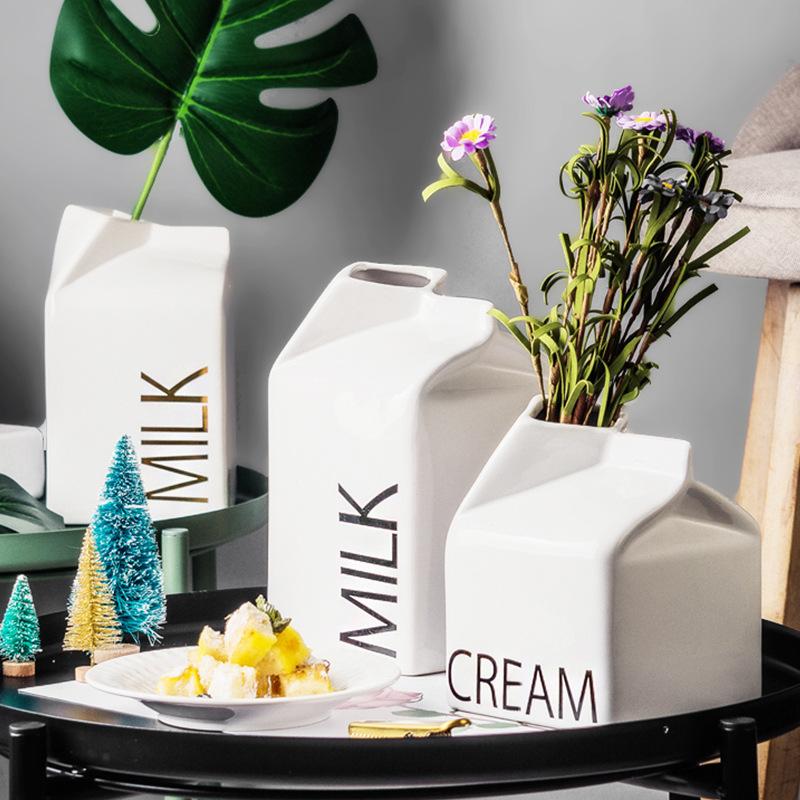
(135, 676)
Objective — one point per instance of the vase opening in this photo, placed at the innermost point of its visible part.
(390, 278)
(536, 411)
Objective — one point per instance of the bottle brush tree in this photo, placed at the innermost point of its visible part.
(19, 633)
(92, 617)
(126, 543)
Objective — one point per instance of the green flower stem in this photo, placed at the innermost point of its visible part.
(158, 158)
(485, 163)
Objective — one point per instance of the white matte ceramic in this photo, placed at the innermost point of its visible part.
(136, 676)
(591, 579)
(136, 342)
(383, 407)
(22, 457)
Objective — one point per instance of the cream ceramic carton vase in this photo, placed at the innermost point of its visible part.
(136, 342)
(383, 407)
(590, 579)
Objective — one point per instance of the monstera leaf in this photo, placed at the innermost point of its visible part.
(22, 513)
(200, 66)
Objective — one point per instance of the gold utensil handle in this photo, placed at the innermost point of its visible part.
(404, 730)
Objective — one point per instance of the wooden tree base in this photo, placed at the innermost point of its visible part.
(19, 669)
(115, 651)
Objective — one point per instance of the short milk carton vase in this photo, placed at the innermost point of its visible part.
(383, 407)
(136, 342)
(590, 579)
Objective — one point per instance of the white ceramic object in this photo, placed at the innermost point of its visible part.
(383, 407)
(136, 342)
(136, 676)
(591, 579)
(22, 457)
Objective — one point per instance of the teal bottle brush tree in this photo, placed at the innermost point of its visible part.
(19, 632)
(201, 69)
(126, 543)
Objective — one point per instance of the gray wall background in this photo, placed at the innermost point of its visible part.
(527, 63)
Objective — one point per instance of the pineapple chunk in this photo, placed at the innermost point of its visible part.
(289, 652)
(193, 657)
(206, 668)
(310, 679)
(233, 682)
(182, 682)
(211, 643)
(248, 636)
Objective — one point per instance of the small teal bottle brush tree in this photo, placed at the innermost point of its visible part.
(126, 543)
(19, 632)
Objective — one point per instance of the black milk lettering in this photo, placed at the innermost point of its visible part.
(370, 578)
(511, 685)
(161, 440)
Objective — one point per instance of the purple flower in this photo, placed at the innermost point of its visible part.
(685, 134)
(715, 205)
(690, 136)
(668, 187)
(610, 105)
(643, 121)
(470, 133)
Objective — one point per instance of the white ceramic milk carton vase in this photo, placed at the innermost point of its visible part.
(383, 407)
(136, 342)
(591, 579)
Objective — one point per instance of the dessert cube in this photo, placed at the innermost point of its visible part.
(182, 682)
(211, 643)
(310, 679)
(289, 652)
(248, 636)
(233, 682)
(206, 668)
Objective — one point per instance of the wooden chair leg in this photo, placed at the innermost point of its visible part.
(769, 491)
(755, 463)
(779, 760)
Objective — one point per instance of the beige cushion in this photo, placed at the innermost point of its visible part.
(770, 187)
(773, 124)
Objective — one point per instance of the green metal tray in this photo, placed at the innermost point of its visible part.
(50, 554)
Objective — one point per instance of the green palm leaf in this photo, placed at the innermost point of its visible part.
(126, 89)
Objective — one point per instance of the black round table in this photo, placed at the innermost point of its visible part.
(61, 750)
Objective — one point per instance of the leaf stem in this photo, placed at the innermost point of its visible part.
(158, 158)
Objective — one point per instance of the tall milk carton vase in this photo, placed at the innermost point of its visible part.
(136, 343)
(591, 579)
(383, 407)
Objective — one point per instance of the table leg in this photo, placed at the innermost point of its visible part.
(739, 759)
(27, 761)
(204, 571)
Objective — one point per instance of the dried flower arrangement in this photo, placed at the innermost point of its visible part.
(643, 215)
